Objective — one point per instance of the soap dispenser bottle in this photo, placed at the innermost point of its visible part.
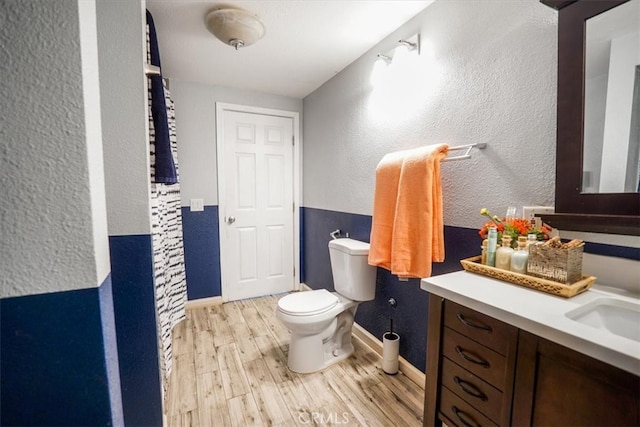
(520, 257)
(483, 248)
(503, 254)
(492, 241)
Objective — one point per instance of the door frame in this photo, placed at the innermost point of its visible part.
(221, 107)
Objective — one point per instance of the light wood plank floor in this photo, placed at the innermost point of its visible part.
(230, 369)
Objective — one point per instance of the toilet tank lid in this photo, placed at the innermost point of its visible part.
(350, 246)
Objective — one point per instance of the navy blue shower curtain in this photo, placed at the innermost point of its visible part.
(165, 169)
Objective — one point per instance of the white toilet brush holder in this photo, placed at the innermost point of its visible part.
(390, 352)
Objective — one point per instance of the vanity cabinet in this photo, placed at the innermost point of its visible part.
(484, 372)
(558, 386)
(470, 366)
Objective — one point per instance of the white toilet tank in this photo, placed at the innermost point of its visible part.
(352, 276)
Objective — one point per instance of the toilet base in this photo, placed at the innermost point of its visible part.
(312, 353)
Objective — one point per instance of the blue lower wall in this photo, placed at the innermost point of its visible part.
(201, 252)
(110, 343)
(202, 264)
(202, 259)
(315, 226)
(135, 322)
(410, 316)
(612, 250)
(53, 363)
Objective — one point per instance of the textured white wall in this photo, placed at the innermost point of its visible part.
(93, 135)
(487, 73)
(195, 106)
(122, 44)
(46, 140)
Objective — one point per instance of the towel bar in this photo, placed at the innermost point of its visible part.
(467, 154)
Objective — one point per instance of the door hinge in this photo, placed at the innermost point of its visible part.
(294, 272)
(293, 140)
(293, 207)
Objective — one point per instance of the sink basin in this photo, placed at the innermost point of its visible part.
(616, 316)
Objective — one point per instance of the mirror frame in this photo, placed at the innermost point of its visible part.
(615, 213)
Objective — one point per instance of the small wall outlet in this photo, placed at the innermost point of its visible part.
(197, 205)
(529, 213)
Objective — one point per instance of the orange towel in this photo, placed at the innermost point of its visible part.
(407, 230)
(384, 208)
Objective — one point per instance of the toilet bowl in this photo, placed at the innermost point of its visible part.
(320, 321)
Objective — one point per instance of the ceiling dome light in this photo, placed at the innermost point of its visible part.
(235, 27)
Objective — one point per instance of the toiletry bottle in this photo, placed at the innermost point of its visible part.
(503, 254)
(492, 237)
(520, 257)
(532, 239)
(483, 258)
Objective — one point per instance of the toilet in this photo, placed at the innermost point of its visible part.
(320, 321)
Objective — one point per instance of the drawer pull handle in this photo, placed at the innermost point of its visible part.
(477, 359)
(471, 324)
(470, 389)
(464, 418)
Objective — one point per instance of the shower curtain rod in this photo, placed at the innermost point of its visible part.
(467, 154)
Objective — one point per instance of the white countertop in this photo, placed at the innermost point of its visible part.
(541, 314)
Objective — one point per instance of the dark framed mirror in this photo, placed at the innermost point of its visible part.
(577, 209)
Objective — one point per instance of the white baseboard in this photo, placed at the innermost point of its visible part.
(203, 302)
(365, 337)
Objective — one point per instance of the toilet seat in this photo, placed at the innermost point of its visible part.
(307, 303)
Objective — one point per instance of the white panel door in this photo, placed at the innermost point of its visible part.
(257, 206)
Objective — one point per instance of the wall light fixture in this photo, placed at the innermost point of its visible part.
(396, 59)
(380, 68)
(403, 50)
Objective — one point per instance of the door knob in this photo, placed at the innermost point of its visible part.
(231, 220)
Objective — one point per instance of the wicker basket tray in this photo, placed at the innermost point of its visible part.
(473, 265)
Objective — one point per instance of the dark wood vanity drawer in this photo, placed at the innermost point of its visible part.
(479, 327)
(474, 357)
(459, 412)
(479, 394)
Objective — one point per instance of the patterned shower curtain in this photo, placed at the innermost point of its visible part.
(166, 218)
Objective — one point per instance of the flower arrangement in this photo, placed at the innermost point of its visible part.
(513, 227)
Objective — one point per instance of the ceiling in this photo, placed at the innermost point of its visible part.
(306, 42)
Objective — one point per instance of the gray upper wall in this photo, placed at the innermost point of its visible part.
(53, 221)
(486, 73)
(195, 106)
(123, 95)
